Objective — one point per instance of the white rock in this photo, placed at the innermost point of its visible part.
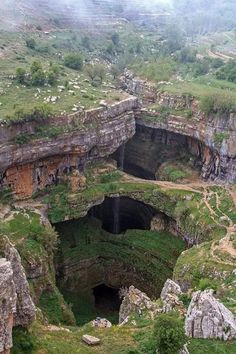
(208, 318)
(90, 340)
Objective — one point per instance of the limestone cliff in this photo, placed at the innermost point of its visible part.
(84, 136)
(210, 138)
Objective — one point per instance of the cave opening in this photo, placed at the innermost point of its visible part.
(92, 264)
(119, 214)
(107, 299)
(157, 154)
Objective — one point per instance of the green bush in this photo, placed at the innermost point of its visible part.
(221, 104)
(169, 334)
(74, 61)
(227, 72)
(21, 76)
(23, 341)
(38, 78)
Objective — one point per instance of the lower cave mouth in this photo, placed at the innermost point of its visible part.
(107, 299)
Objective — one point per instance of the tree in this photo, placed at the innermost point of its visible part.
(74, 61)
(30, 43)
(169, 333)
(21, 76)
(100, 71)
(115, 37)
(115, 71)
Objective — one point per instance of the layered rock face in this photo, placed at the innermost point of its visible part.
(16, 305)
(211, 138)
(84, 136)
(208, 318)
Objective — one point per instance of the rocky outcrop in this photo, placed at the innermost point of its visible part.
(83, 137)
(208, 318)
(136, 302)
(7, 305)
(137, 87)
(16, 305)
(170, 297)
(25, 309)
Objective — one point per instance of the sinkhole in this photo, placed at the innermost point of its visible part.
(112, 248)
(154, 154)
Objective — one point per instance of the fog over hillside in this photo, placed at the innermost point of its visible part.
(196, 17)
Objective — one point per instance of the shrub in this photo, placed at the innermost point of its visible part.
(23, 341)
(52, 77)
(227, 72)
(220, 137)
(86, 43)
(74, 61)
(30, 43)
(205, 283)
(115, 38)
(38, 78)
(21, 76)
(169, 334)
(217, 104)
(35, 66)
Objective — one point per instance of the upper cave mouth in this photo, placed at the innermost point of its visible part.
(119, 214)
(152, 154)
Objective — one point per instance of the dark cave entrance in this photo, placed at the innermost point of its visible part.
(115, 246)
(122, 213)
(151, 151)
(107, 299)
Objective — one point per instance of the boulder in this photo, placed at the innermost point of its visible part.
(208, 318)
(90, 340)
(170, 287)
(170, 297)
(136, 302)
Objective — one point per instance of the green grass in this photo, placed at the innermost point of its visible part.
(202, 87)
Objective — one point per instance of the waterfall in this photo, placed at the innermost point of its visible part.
(116, 216)
(121, 157)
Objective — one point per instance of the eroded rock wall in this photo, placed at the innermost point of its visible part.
(16, 305)
(88, 135)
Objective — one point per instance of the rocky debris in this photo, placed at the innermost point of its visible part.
(158, 223)
(8, 305)
(170, 287)
(90, 340)
(53, 328)
(170, 297)
(136, 302)
(101, 323)
(25, 309)
(208, 318)
(137, 86)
